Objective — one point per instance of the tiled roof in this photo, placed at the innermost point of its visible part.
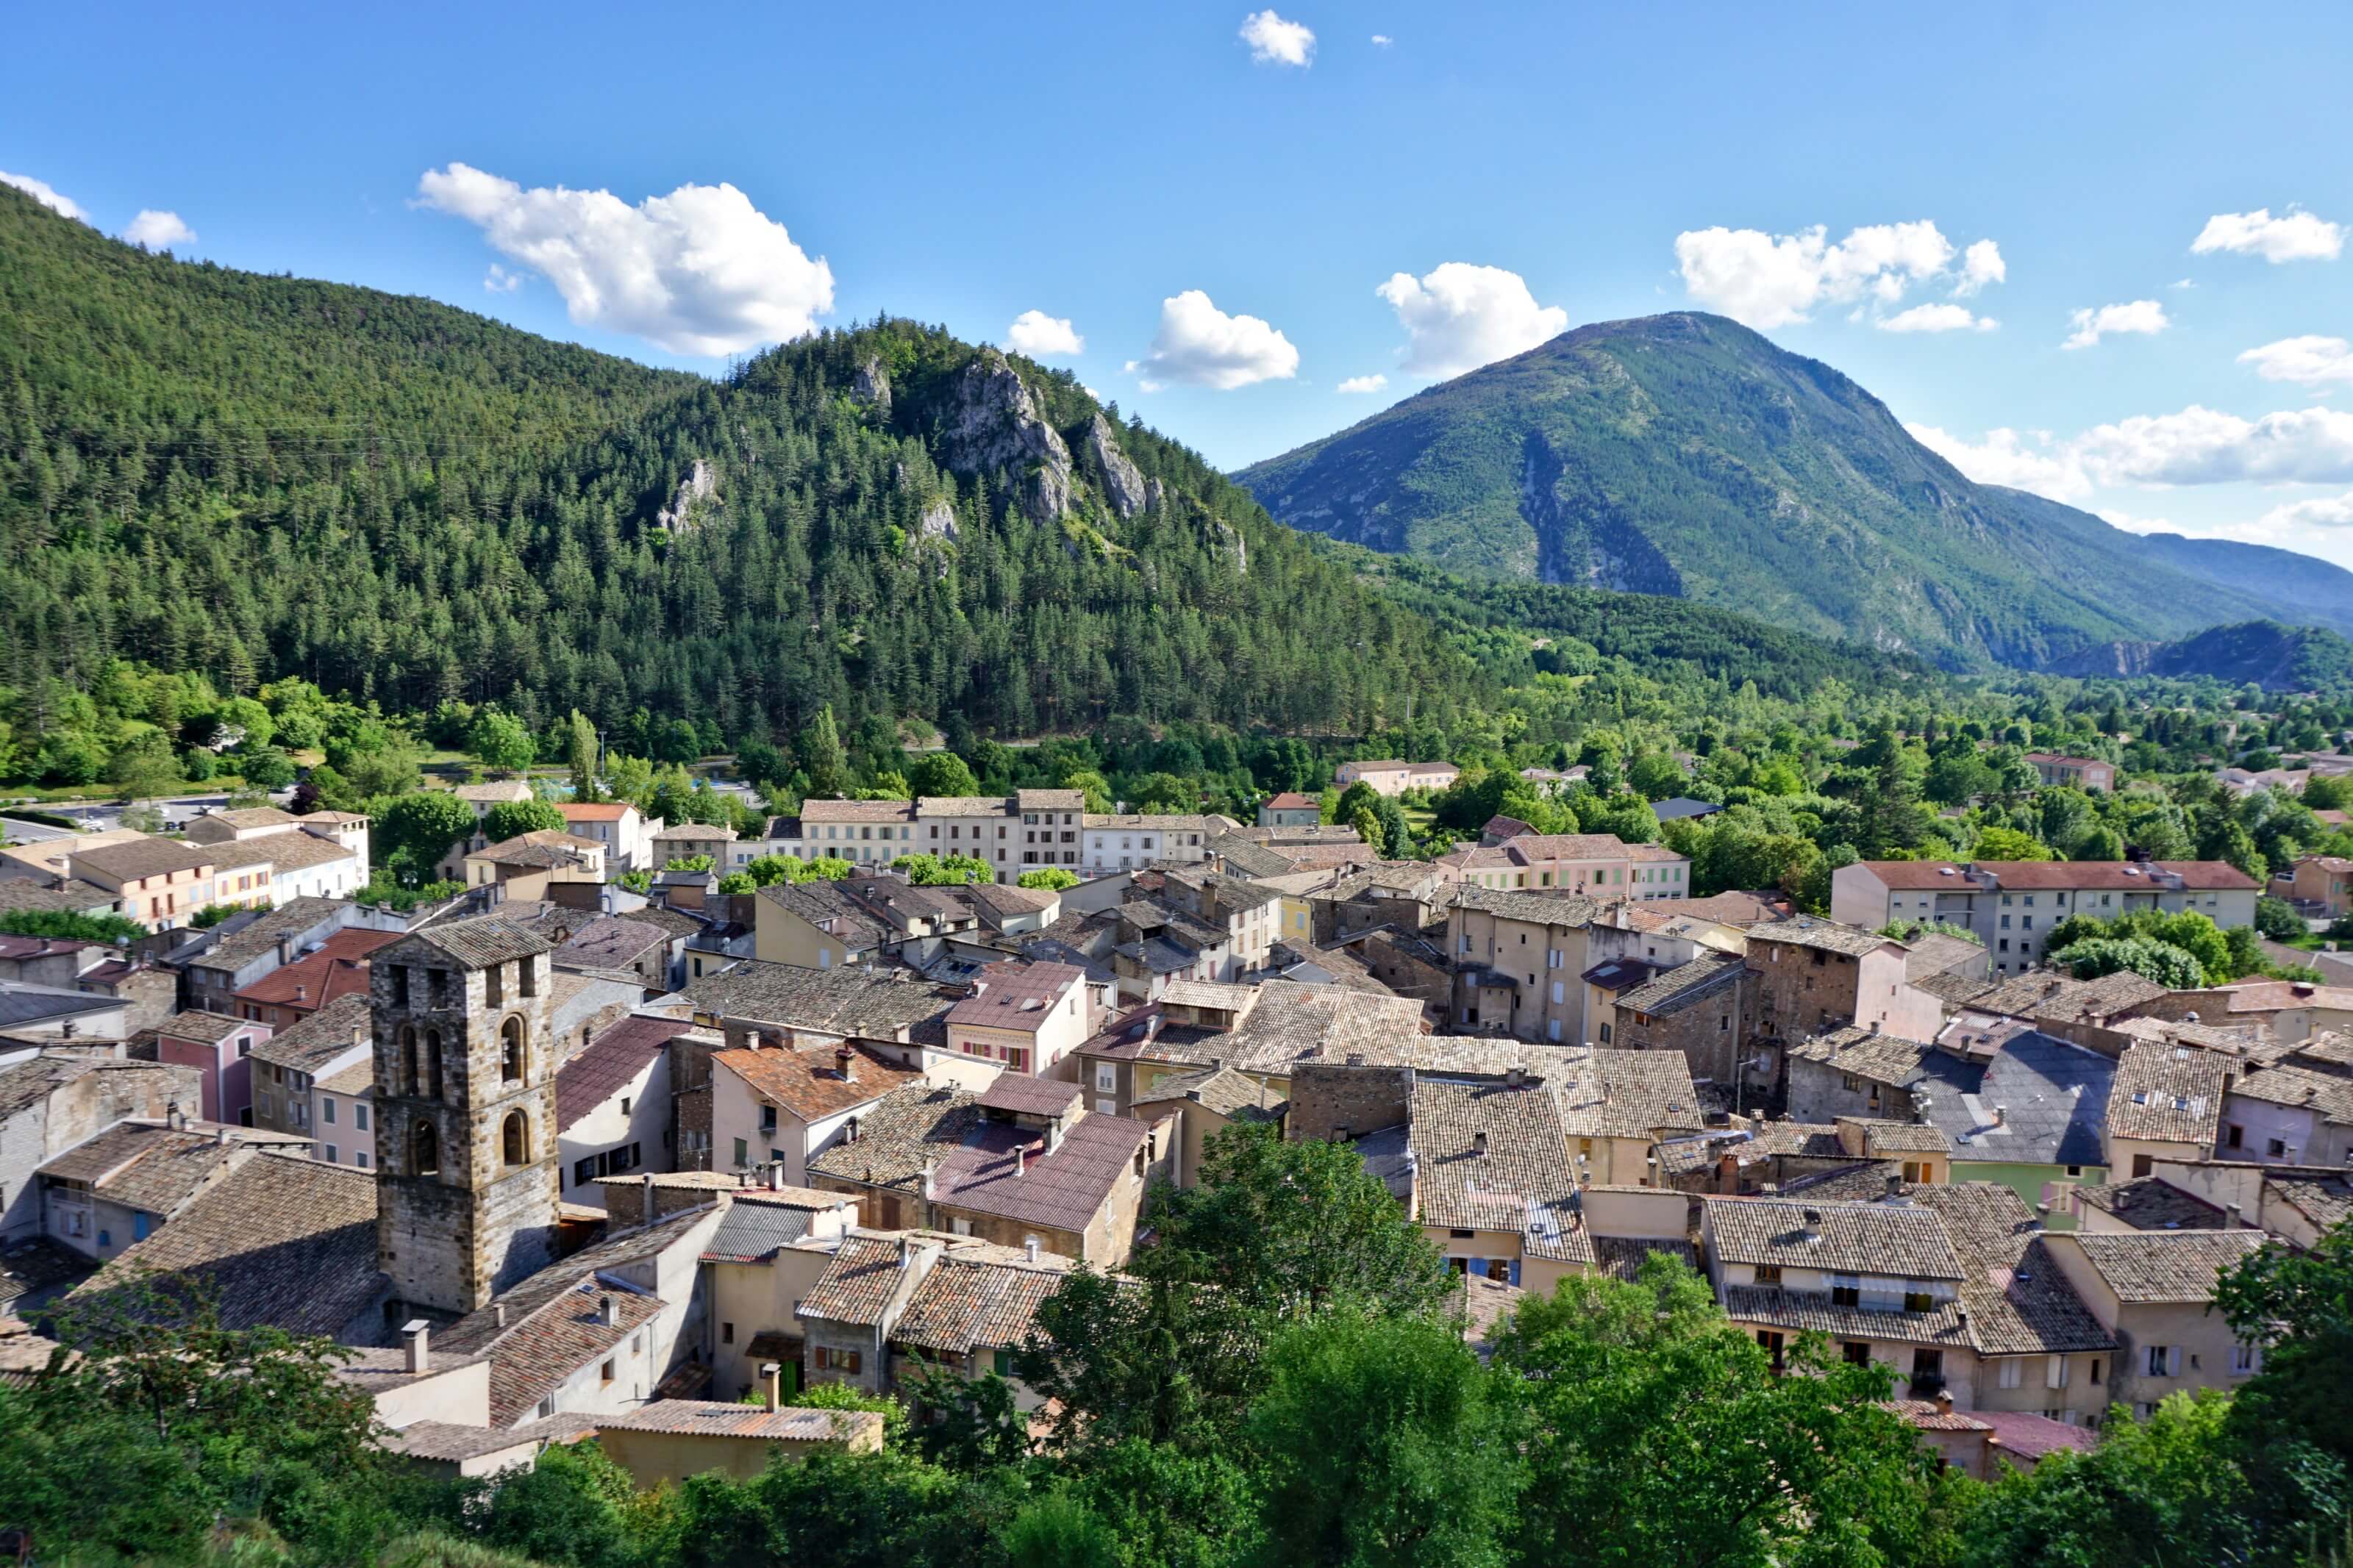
(1886, 1137)
(294, 850)
(807, 1081)
(1017, 996)
(2019, 1302)
(1935, 953)
(494, 794)
(594, 810)
(310, 1043)
(283, 1240)
(1906, 1243)
(1023, 1094)
(858, 1285)
(2166, 1266)
(2325, 1200)
(1622, 1094)
(1801, 1312)
(834, 1000)
(899, 1134)
(1491, 1156)
(754, 1230)
(452, 1444)
(1233, 1095)
(2171, 1094)
(2152, 1203)
(964, 1304)
(142, 1165)
(612, 941)
(251, 816)
(1673, 990)
(609, 1064)
(1553, 908)
(2287, 1084)
(291, 918)
(139, 858)
(823, 811)
(1064, 1187)
(1050, 800)
(1826, 936)
(485, 940)
(211, 1028)
(828, 906)
(1881, 1058)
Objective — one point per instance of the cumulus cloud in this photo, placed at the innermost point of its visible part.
(46, 194)
(499, 280)
(1275, 42)
(1200, 345)
(1382, 40)
(2023, 462)
(1041, 336)
(2322, 511)
(2308, 361)
(156, 230)
(2293, 236)
(698, 271)
(2144, 316)
(1771, 280)
(1981, 264)
(2204, 447)
(1940, 317)
(1457, 317)
(1373, 382)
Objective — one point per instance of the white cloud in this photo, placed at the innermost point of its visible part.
(1275, 42)
(499, 280)
(698, 271)
(2144, 316)
(1457, 317)
(1382, 40)
(1944, 318)
(1373, 382)
(2323, 511)
(2293, 236)
(2023, 462)
(49, 195)
(1041, 336)
(1981, 264)
(2308, 361)
(157, 230)
(1771, 280)
(2203, 447)
(1200, 345)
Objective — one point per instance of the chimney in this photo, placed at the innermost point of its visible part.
(1513, 1076)
(777, 1177)
(2238, 1217)
(220, 1135)
(175, 1118)
(1894, 1189)
(906, 1251)
(1875, 1025)
(2001, 1116)
(302, 994)
(1944, 1402)
(772, 1378)
(929, 1186)
(413, 1335)
(1029, 1247)
(1813, 1224)
(498, 1314)
(1021, 1161)
(845, 1064)
(1479, 1145)
(609, 1309)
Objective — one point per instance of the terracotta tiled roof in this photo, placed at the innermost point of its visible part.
(485, 940)
(1800, 1311)
(1024, 1094)
(143, 857)
(291, 851)
(1064, 1187)
(909, 1126)
(1542, 907)
(311, 1043)
(1826, 936)
(2152, 1203)
(1017, 996)
(961, 1305)
(1493, 1156)
(709, 1418)
(2019, 1302)
(858, 1286)
(807, 1081)
(1673, 990)
(1881, 1058)
(2288, 1084)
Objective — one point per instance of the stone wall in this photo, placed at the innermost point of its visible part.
(1707, 1033)
(1327, 1096)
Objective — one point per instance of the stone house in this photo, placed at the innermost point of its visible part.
(1810, 976)
(50, 1103)
(112, 1190)
(287, 1067)
(887, 1300)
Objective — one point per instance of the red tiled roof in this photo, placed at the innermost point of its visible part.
(596, 811)
(807, 1081)
(338, 968)
(1291, 800)
(1015, 996)
(1063, 1189)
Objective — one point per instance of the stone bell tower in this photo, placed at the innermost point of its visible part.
(467, 1178)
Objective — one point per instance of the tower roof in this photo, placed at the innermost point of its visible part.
(485, 940)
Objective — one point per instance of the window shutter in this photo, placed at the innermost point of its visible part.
(2173, 1360)
(2057, 1376)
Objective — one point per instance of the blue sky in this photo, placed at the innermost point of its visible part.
(1154, 174)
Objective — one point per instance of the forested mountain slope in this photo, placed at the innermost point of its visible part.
(1685, 455)
(2254, 652)
(253, 476)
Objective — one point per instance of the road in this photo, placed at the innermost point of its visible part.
(102, 816)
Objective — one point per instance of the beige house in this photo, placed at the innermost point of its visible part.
(692, 840)
(2073, 772)
(1519, 960)
(1029, 1017)
(481, 798)
(1599, 864)
(523, 866)
(2154, 1293)
(624, 831)
(1204, 1102)
(160, 883)
(777, 1106)
(2012, 905)
(1389, 776)
(669, 1440)
(773, 1243)
(2164, 1103)
(1289, 809)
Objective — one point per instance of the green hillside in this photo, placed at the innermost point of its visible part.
(251, 476)
(1684, 455)
(2253, 653)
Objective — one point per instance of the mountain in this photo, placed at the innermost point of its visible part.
(2260, 653)
(257, 475)
(1684, 455)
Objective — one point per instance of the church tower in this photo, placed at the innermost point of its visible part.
(467, 1177)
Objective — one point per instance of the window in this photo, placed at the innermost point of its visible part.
(2164, 1360)
(1769, 1273)
(2014, 1373)
(424, 1150)
(2246, 1360)
(743, 1154)
(360, 1159)
(510, 1051)
(2276, 1149)
(359, 1117)
(1846, 1291)
(1918, 1301)
(326, 1113)
(604, 1372)
(527, 972)
(1857, 1353)
(139, 1227)
(514, 1139)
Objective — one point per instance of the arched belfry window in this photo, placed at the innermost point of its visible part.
(432, 1089)
(424, 1150)
(515, 1139)
(510, 1051)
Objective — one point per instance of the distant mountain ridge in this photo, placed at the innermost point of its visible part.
(1685, 455)
(2261, 653)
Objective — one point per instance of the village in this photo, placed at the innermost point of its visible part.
(561, 1157)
